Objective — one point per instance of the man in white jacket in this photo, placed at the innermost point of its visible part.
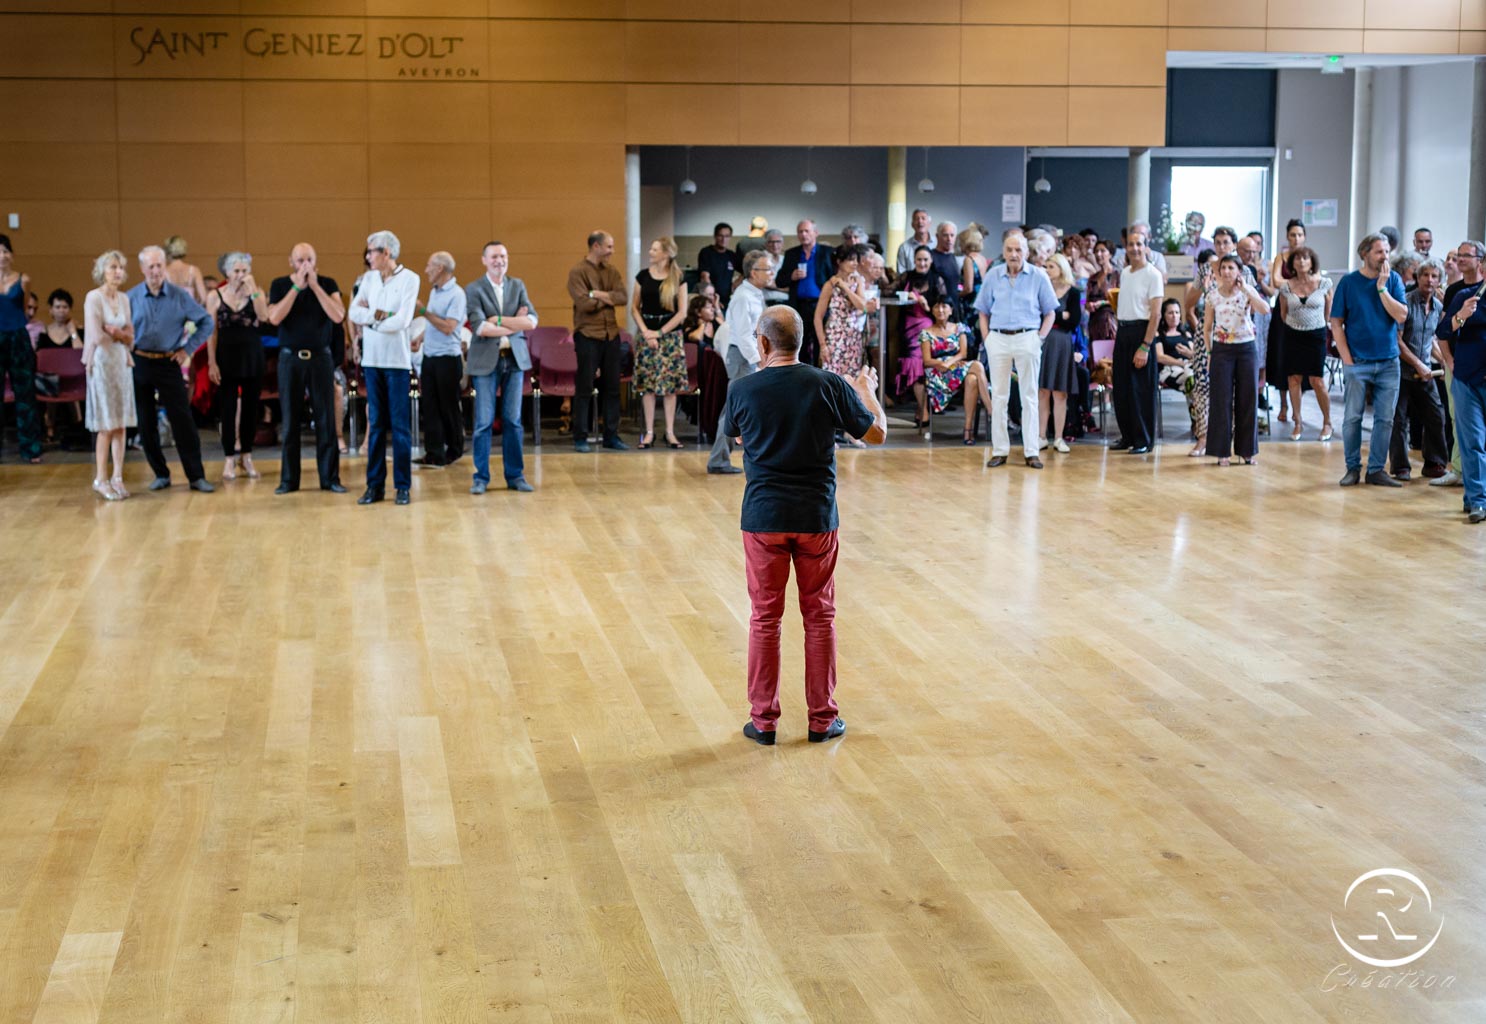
(383, 309)
(739, 349)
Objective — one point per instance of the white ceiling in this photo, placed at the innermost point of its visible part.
(1201, 59)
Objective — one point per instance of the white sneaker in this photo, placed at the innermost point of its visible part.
(1042, 445)
(1060, 445)
(1450, 479)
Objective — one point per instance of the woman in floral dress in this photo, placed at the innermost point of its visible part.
(659, 303)
(945, 349)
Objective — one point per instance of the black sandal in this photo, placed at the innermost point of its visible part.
(969, 436)
(671, 442)
(646, 444)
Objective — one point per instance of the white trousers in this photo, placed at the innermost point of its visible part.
(1024, 351)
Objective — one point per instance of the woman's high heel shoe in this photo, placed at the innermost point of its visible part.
(118, 486)
(1326, 432)
(969, 436)
(647, 444)
(249, 469)
(105, 490)
(229, 468)
(671, 442)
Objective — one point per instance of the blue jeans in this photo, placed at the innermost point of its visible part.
(1382, 376)
(387, 409)
(509, 380)
(1469, 404)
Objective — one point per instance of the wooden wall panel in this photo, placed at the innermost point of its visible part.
(210, 226)
(1206, 14)
(180, 111)
(922, 12)
(1117, 56)
(331, 225)
(195, 170)
(905, 55)
(233, 149)
(670, 115)
(311, 112)
(1114, 116)
(448, 170)
(818, 54)
(773, 115)
(910, 115)
(1014, 12)
(61, 169)
(680, 52)
(1013, 55)
(554, 170)
(306, 170)
(45, 110)
(29, 46)
(1014, 116)
(1122, 12)
(1243, 40)
(1440, 15)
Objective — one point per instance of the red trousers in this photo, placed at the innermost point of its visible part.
(768, 557)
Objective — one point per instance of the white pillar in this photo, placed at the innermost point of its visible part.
(1362, 156)
(1475, 220)
(1138, 198)
(630, 258)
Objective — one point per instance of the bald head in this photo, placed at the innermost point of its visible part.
(781, 329)
(302, 258)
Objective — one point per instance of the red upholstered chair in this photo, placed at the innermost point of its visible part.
(559, 374)
(694, 380)
(67, 365)
(1103, 349)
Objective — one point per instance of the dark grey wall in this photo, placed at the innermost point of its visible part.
(1088, 192)
(1220, 108)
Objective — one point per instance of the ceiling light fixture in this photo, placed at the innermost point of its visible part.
(808, 186)
(688, 187)
(926, 183)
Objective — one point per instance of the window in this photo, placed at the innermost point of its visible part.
(1232, 196)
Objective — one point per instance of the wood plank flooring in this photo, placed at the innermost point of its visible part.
(1122, 733)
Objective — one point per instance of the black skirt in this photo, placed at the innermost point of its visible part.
(1305, 353)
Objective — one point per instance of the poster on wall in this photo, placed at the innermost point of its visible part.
(1011, 208)
(1318, 213)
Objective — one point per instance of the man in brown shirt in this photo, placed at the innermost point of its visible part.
(598, 292)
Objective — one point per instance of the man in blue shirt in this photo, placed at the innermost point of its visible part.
(1463, 330)
(169, 326)
(1016, 305)
(443, 363)
(805, 270)
(1365, 313)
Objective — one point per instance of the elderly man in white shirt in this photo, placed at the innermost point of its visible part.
(738, 344)
(384, 309)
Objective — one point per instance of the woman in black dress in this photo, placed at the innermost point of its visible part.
(1056, 377)
(235, 360)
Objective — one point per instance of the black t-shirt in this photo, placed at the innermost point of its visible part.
(719, 266)
(306, 326)
(788, 417)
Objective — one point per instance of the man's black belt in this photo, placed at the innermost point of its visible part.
(1013, 330)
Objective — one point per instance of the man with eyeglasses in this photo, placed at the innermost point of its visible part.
(1468, 257)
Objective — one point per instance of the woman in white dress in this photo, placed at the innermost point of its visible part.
(108, 332)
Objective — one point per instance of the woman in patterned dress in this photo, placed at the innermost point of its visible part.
(659, 303)
(945, 349)
(108, 332)
(842, 298)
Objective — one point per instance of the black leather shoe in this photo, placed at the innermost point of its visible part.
(1351, 478)
(1382, 479)
(1142, 449)
(1120, 446)
(520, 484)
(334, 487)
(729, 471)
(371, 497)
(402, 497)
(582, 446)
(285, 489)
(763, 739)
(616, 444)
(1477, 515)
(836, 728)
(1033, 462)
(996, 460)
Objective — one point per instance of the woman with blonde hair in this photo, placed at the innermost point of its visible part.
(973, 270)
(180, 273)
(108, 333)
(236, 360)
(659, 304)
(1056, 377)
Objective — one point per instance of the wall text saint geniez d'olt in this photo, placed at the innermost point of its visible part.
(159, 44)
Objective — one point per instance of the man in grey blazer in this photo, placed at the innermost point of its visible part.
(500, 314)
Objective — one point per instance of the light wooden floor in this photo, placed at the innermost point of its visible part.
(1121, 735)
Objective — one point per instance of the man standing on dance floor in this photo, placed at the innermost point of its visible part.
(787, 415)
(169, 326)
(383, 310)
(306, 306)
(740, 354)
